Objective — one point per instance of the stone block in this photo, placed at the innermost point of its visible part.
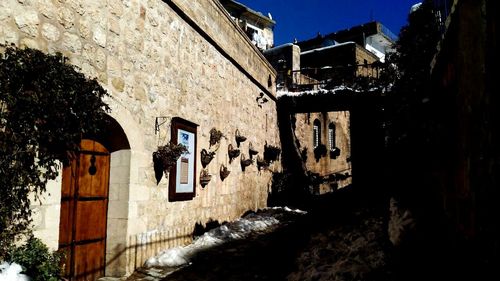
(99, 36)
(71, 42)
(28, 22)
(66, 17)
(118, 84)
(117, 209)
(29, 43)
(50, 32)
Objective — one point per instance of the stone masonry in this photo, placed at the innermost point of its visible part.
(183, 58)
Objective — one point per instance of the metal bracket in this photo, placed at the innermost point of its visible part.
(158, 122)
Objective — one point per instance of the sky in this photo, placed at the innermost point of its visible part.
(303, 19)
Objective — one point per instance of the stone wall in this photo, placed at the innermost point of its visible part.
(326, 165)
(158, 59)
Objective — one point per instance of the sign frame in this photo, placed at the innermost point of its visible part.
(186, 190)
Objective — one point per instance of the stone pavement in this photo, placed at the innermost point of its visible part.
(263, 255)
(339, 233)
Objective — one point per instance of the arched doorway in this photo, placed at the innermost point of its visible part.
(84, 205)
(101, 256)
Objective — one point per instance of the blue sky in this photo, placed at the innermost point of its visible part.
(303, 19)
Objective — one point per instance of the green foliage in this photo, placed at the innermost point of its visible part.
(215, 136)
(165, 157)
(46, 106)
(410, 68)
(37, 261)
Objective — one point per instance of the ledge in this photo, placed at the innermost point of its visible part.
(211, 20)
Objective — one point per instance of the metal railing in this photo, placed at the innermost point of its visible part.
(311, 78)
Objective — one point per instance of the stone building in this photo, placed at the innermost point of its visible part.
(372, 36)
(332, 65)
(174, 70)
(259, 28)
(465, 102)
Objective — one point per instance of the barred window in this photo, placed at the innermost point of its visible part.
(316, 133)
(331, 136)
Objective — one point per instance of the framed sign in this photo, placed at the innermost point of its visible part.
(182, 183)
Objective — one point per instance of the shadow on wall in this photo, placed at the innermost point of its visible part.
(139, 252)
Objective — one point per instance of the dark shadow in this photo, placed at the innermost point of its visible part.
(112, 135)
(199, 229)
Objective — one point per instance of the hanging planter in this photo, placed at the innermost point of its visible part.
(205, 177)
(215, 136)
(271, 153)
(206, 157)
(245, 162)
(233, 153)
(334, 153)
(261, 164)
(239, 138)
(165, 158)
(319, 151)
(252, 151)
(224, 172)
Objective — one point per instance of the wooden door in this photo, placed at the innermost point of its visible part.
(84, 204)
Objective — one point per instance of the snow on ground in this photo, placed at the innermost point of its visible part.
(289, 210)
(239, 229)
(12, 272)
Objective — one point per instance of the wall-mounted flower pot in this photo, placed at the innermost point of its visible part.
(239, 138)
(224, 172)
(206, 157)
(334, 153)
(245, 162)
(233, 153)
(261, 164)
(319, 151)
(165, 157)
(252, 151)
(271, 153)
(215, 136)
(204, 177)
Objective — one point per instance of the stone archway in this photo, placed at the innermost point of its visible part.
(92, 223)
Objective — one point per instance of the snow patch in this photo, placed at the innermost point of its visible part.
(415, 7)
(298, 211)
(314, 92)
(12, 272)
(238, 229)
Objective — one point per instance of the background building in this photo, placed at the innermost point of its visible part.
(324, 75)
(258, 28)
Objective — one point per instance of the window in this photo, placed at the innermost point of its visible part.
(182, 184)
(331, 136)
(316, 133)
(332, 141)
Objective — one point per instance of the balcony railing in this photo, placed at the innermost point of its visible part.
(328, 76)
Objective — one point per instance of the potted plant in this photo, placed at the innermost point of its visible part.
(252, 151)
(239, 138)
(165, 158)
(215, 136)
(205, 177)
(224, 172)
(233, 153)
(206, 157)
(319, 151)
(261, 164)
(271, 153)
(334, 153)
(245, 162)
